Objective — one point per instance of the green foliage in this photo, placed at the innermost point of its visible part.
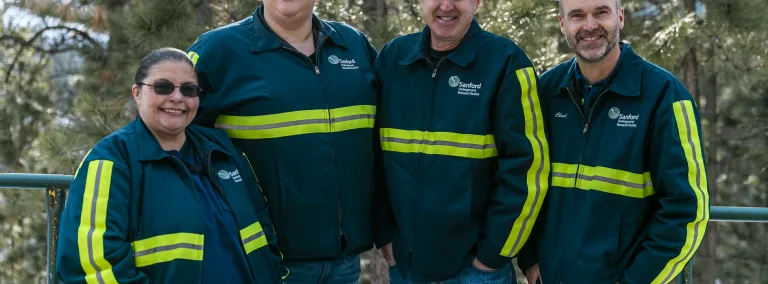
(47, 126)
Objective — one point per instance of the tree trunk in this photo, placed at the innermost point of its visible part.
(375, 21)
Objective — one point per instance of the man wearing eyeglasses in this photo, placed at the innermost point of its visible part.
(464, 150)
(629, 200)
(298, 95)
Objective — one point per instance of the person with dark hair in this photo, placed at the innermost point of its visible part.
(298, 94)
(163, 201)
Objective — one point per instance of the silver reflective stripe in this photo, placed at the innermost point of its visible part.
(253, 238)
(167, 248)
(614, 181)
(353, 117)
(538, 171)
(93, 222)
(563, 175)
(271, 126)
(698, 187)
(439, 143)
(293, 123)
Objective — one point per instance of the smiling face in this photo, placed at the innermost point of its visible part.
(448, 20)
(167, 115)
(591, 27)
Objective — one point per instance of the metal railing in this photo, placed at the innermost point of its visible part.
(55, 187)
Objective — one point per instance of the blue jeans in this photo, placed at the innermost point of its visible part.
(471, 275)
(321, 272)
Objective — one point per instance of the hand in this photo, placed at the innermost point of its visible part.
(386, 252)
(480, 265)
(533, 274)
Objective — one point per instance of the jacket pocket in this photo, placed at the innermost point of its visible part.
(267, 259)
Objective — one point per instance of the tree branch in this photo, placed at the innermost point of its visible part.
(25, 44)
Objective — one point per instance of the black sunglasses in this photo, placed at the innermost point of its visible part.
(165, 88)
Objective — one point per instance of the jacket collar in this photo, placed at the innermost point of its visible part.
(266, 39)
(628, 77)
(150, 149)
(463, 55)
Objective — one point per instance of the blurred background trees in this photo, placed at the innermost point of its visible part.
(67, 68)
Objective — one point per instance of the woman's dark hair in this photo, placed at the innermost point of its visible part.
(158, 56)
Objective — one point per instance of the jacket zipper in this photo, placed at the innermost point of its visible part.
(581, 156)
(330, 125)
(425, 139)
(202, 223)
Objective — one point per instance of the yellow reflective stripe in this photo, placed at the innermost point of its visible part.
(93, 223)
(253, 237)
(603, 179)
(164, 248)
(298, 122)
(193, 56)
(538, 174)
(438, 143)
(615, 181)
(687, 129)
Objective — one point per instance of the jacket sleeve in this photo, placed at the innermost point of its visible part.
(208, 110)
(523, 166)
(384, 221)
(680, 179)
(260, 201)
(93, 245)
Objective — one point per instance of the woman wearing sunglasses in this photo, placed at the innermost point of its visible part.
(163, 201)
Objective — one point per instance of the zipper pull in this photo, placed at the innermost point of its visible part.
(585, 128)
(317, 70)
(434, 73)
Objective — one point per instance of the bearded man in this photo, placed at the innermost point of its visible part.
(629, 201)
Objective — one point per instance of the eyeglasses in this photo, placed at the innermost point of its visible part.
(165, 88)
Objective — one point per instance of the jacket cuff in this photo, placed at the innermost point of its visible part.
(528, 257)
(383, 235)
(490, 257)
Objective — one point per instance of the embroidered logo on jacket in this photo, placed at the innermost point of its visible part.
(623, 120)
(346, 64)
(235, 176)
(467, 89)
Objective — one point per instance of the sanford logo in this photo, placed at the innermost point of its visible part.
(623, 120)
(467, 89)
(346, 64)
(227, 175)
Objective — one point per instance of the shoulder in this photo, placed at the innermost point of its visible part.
(555, 75)
(497, 45)
(114, 147)
(400, 45)
(223, 36)
(672, 89)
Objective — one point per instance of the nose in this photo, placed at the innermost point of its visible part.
(590, 23)
(176, 96)
(446, 5)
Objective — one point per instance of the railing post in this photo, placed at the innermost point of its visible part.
(686, 277)
(55, 198)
